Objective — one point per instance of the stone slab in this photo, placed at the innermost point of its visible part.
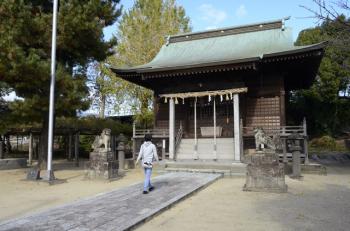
(120, 209)
(13, 163)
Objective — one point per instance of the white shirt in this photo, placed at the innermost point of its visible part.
(148, 152)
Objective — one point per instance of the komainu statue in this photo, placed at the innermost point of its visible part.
(103, 141)
(261, 138)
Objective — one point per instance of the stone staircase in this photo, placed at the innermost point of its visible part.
(225, 168)
(225, 149)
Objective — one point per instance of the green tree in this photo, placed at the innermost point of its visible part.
(25, 45)
(330, 90)
(102, 85)
(141, 33)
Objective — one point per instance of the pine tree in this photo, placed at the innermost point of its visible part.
(25, 47)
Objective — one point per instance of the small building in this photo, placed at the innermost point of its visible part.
(212, 88)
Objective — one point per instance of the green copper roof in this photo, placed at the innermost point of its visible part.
(227, 45)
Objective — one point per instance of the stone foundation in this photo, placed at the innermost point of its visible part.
(13, 163)
(264, 173)
(102, 165)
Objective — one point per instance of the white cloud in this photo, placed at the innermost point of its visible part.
(241, 11)
(212, 15)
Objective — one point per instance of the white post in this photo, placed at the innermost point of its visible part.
(195, 130)
(133, 129)
(50, 175)
(214, 113)
(237, 137)
(171, 128)
(30, 159)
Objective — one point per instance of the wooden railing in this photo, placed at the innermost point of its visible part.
(156, 133)
(282, 130)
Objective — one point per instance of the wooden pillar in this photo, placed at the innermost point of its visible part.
(76, 149)
(214, 115)
(70, 146)
(30, 151)
(113, 147)
(237, 137)
(171, 128)
(2, 147)
(306, 150)
(8, 144)
(195, 130)
(283, 108)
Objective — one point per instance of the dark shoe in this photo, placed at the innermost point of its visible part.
(151, 188)
(144, 192)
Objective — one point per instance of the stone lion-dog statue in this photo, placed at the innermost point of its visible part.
(262, 139)
(103, 141)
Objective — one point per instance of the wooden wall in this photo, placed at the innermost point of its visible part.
(262, 106)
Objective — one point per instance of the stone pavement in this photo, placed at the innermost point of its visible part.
(120, 209)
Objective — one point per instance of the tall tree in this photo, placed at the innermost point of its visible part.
(331, 88)
(141, 33)
(25, 45)
(102, 86)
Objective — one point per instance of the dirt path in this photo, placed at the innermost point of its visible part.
(316, 203)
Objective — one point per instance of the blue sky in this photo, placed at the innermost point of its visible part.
(210, 14)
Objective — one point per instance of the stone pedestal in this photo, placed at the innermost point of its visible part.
(264, 173)
(101, 166)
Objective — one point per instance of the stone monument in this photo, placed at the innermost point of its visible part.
(102, 163)
(264, 172)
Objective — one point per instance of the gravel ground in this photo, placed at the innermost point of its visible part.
(315, 203)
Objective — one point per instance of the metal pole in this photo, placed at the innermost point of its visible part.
(50, 175)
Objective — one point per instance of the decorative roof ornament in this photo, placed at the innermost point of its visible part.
(167, 40)
(284, 22)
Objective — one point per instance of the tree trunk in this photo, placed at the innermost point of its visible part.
(102, 106)
(43, 145)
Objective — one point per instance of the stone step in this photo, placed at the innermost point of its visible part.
(225, 173)
(227, 168)
(203, 164)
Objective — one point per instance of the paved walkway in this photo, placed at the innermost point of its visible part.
(116, 210)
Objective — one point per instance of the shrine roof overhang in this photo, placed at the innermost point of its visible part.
(226, 49)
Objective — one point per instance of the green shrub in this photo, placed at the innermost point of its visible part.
(325, 143)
